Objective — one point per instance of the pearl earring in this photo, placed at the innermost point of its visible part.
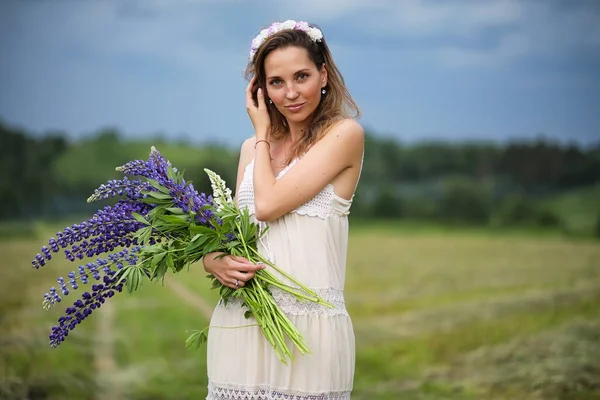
(323, 91)
(270, 101)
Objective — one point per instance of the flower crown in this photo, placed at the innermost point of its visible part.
(315, 34)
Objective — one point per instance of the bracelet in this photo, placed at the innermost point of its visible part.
(262, 140)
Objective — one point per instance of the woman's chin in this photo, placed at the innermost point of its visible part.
(297, 117)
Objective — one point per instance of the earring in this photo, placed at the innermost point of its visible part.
(323, 91)
(270, 101)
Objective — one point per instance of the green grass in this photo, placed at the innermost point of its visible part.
(455, 314)
(579, 208)
(153, 326)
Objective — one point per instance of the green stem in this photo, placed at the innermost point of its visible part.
(237, 224)
(315, 297)
(282, 272)
(287, 288)
(278, 330)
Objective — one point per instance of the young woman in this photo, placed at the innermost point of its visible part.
(298, 174)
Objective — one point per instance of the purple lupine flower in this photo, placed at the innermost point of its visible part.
(128, 256)
(114, 227)
(130, 188)
(84, 307)
(88, 302)
(111, 227)
(184, 195)
(156, 167)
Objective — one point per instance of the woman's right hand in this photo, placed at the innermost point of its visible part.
(231, 271)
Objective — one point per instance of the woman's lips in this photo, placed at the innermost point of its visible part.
(295, 107)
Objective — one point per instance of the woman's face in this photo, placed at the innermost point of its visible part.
(293, 82)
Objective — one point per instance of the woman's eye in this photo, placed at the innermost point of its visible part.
(302, 76)
(275, 82)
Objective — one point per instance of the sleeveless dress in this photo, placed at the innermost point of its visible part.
(310, 243)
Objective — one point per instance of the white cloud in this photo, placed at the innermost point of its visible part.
(420, 18)
(526, 28)
(412, 17)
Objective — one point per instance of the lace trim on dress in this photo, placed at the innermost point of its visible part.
(292, 305)
(318, 206)
(264, 392)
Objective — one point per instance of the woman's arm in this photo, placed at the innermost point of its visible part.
(341, 148)
(227, 269)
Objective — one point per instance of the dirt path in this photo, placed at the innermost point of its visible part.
(189, 297)
(104, 359)
(109, 377)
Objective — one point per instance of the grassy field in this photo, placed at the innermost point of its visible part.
(578, 208)
(438, 314)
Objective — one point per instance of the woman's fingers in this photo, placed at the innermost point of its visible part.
(242, 264)
(241, 260)
(237, 279)
(249, 96)
(261, 99)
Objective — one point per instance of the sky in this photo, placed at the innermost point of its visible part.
(419, 69)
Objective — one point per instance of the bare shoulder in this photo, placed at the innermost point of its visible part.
(247, 150)
(348, 131)
(347, 136)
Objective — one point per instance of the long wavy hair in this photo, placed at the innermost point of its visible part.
(335, 105)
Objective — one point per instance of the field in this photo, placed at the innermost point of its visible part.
(438, 314)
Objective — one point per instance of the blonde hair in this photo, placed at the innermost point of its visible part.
(335, 105)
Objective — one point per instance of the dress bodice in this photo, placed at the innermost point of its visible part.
(325, 203)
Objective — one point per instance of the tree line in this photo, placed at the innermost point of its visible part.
(466, 182)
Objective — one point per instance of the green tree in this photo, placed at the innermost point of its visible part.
(465, 201)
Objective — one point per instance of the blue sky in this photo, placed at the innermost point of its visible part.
(443, 69)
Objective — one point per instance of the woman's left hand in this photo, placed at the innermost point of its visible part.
(259, 115)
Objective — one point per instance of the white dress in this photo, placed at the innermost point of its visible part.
(310, 243)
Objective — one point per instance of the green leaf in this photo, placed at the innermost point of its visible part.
(134, 279)
(158, 195)
(169, 262)
(160, 270)
(180, 220)
(201, 229)
(172, 174)
(155, 248)
(196, 339)
(145, 236)
(158, 186)
(138, 217)
(175, 210)
(233, 244)
(157, 258)
(152, 200)
(212, 245)
(197, 243)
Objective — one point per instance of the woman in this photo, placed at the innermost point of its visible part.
(297, 174)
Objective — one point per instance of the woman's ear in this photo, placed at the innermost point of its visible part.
(323, 76)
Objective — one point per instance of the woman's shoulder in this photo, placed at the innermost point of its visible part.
(247, 150)
(346, 134)
(347, 129)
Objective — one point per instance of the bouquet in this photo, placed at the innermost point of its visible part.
(161, 224)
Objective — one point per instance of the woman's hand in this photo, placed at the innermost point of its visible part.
(231, 271)
(259, 115)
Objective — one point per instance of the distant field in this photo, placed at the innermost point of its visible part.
(438, 314)
(580, 208)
